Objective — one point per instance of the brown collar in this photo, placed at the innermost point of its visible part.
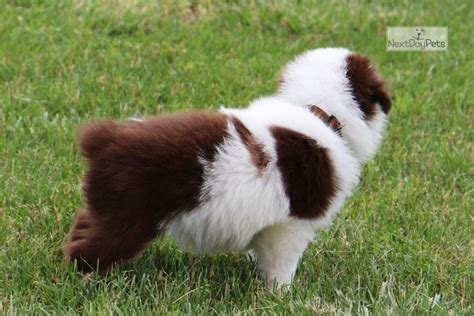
(329, 120)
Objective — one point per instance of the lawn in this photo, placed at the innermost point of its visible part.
(402, 244)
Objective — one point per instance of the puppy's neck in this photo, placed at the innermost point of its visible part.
(330, 120)
(362, 137)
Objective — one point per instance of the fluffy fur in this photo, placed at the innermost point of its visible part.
(264, 178)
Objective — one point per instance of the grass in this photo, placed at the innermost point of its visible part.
(404, 242)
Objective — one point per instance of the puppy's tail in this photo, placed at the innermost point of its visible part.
(95, 137)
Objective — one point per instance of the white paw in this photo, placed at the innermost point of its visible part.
(276, 280)
(252, 255)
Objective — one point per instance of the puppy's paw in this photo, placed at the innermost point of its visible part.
(80, 247)
(277, 280)
(82, 223)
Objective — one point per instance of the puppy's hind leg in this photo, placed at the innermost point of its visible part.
(278, 249)
(99, 239)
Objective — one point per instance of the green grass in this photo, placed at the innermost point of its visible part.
(404, 242)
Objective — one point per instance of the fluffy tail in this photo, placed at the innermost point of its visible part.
(95, 137)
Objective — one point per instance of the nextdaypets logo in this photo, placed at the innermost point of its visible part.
(419, 31)
(417, 38)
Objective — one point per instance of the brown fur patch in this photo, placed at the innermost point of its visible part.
(307, 171)
(367, 86)
(140, 174)
(329, 120)
(98, 239)
(259, 157)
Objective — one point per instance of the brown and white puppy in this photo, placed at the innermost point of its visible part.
(264, 178)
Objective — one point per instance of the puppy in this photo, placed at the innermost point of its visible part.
(264, 178)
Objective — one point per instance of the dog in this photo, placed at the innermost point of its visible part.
(264, 178)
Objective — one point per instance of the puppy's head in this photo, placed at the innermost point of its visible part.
(346, 85)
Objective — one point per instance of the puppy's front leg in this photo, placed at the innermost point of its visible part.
(278, 249)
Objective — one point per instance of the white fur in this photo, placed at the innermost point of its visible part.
(278, 249)
(135, 119)
(243, 209)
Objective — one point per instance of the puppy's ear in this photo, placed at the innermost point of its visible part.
(368, 87)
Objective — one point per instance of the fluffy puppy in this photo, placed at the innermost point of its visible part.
(264, 178)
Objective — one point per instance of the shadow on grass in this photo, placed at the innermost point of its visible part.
(163, 267)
